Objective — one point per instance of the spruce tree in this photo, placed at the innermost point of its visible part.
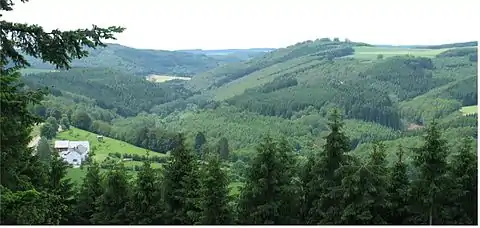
(309, 193)
(268, 195)
(181, 186)
(62, 187)
(199, 142)
(90, 191)
(398, 190)
(290, 183)
(324, 187)
(112, 204)
(463, 172)
(146, 205)
(43, 150)
(429, 192)
(365, 191)
(223, 149)
(214, 193)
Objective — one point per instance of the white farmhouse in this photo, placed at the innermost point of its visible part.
(73, 152)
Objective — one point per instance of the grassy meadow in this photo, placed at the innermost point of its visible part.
(164, 78)
(370, 53)
(101, 149)
(468, 110)
(35, 70)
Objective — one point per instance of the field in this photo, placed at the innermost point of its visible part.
(467, 110)
(108, 145)
(164, 78)
(370, 53)
(35, 70)
(102, 149)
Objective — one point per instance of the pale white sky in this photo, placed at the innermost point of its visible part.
(219, 24)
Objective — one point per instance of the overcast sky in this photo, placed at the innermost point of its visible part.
(217, 24)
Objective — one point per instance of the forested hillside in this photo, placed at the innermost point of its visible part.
(140, 62)
(231, 55)
(320, 132)
(397, 95)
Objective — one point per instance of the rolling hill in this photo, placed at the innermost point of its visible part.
(287, 91)
(231, 55)
(141, 61)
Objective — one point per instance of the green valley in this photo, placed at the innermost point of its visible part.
(324, 131)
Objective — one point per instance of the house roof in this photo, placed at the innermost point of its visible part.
(61, 144)
(79, 146)
(70, 151)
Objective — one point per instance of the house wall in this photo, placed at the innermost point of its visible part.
(73, 158)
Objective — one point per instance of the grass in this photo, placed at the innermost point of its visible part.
(102, 149)
(35, 70)
(370, 53)
(164, 78)
(108, 145)
(77, 175)
(468, 110)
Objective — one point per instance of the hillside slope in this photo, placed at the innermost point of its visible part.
(378, 89)
(387, 96)
(141, 61)
(311, 50)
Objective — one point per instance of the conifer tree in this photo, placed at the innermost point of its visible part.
(223, 149)
(324, 187)
(365, 191)
(309, 193)
(214, 193)
(62, 187)
(181, 185)
(43, 150)
(267, 192)
(199, 142)
(398, 190)
(463, 172)
(90, 191)
(290, 184)
(429, 192)
(112, 204)
(146, 204)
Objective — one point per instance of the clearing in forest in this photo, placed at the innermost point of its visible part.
(369, 53)
(468, 110)
(164, 78)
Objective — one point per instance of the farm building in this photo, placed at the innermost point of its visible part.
(73, 152)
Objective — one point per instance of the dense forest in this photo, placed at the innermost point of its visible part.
(313, 133)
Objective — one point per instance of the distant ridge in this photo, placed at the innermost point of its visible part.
(225, 51)
(440, 46)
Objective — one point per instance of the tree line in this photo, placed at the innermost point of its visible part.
(330, 187)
